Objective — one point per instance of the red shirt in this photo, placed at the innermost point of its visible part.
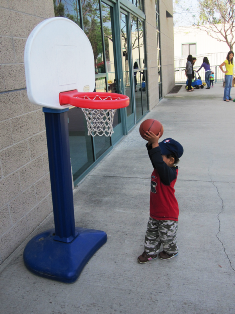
(163, 203)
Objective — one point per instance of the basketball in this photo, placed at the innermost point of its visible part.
(151, 125)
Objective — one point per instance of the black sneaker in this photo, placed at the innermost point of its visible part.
(144, 258)
(165, 255)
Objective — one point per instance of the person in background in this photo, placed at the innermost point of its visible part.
(206, 66)
(212, 77)
(228, 63)
(189, 71)
(194, 60)
(135, 78)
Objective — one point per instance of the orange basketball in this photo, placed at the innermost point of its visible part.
(151, 125)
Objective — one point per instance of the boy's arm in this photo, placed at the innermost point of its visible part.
(166, 173)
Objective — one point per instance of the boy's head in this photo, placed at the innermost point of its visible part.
(172, 149)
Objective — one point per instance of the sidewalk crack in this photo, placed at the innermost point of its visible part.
(218, 217)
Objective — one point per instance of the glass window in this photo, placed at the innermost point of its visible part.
(143, 67)
(100, 84)
(137, 3)
(185, 50)
(125, 61)
(108, 46)
(138, 55)
(102, 143)
(67, 8)
(188, 49)
(92, 28)
(109, 55)
(158, 50)
(135, 36)
(192, 49)
(80, 143)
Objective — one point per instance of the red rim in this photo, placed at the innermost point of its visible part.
(94, 100)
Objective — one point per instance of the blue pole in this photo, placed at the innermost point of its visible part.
(60, 173)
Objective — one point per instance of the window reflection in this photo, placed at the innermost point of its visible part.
(109, 55)
(136, 65)
(67, 8)
(100, 84)
(140, 73)
(102, 143)
(108, 45)
(137, 3)
(158, 49)
(143, 67)
(125, 62)
(92, 28)
(80, 143)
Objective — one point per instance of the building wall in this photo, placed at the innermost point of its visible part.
(167, 49)
(206, 46)
(25, 198)
(167, 46)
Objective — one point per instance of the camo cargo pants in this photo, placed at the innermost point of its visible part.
(161, 232)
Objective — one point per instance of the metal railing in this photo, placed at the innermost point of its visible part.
(180, 77)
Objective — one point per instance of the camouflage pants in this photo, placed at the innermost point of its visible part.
(161, 232)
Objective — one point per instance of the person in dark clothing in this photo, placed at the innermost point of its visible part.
(194, 60)
(164, 210)
(135, 78)
(189, 71)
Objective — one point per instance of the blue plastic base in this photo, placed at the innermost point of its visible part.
(61, 261)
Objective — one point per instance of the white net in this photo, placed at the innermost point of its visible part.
(99, 122)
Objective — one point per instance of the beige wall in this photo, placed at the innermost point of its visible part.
(167, 49)
(151, 47)
(167, 46)
(25, 198)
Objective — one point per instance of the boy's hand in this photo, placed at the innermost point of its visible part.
(152, 138)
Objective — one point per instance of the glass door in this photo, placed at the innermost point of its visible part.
(138, 53)
(112, 81)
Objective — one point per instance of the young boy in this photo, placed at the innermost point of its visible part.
(164, 211)
(211, 78)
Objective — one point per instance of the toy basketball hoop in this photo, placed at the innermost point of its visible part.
(99, 109)
(59, 58)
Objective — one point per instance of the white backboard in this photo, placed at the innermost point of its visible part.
(58, 57)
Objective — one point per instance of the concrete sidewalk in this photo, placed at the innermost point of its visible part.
(114, 197)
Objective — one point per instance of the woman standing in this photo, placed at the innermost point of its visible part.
(228, 63)
(189, 71)
(206, 66)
